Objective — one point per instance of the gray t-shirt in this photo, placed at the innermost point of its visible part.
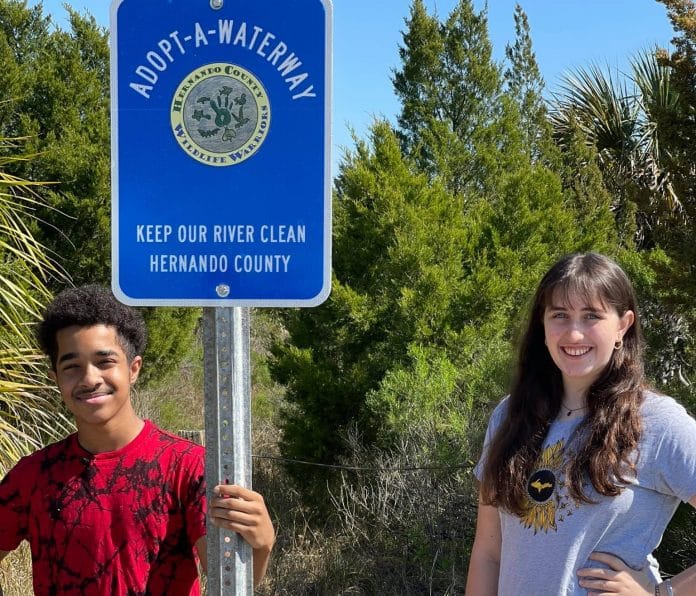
(542, 551)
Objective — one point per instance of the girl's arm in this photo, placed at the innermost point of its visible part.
(621, 579)
(484, 565)
(684, 584)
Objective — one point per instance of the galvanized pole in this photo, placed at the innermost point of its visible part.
(228, 439)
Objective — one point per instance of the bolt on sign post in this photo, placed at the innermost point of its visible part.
(220, 119)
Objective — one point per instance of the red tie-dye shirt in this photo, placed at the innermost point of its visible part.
(119, 523)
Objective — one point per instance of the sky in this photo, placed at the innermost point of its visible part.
(566, 35)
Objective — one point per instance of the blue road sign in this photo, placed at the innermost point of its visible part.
(221, 182)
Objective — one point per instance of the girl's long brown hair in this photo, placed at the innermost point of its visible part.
(610, 431)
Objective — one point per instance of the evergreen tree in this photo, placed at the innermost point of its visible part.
(678, 130)
(58, 98)
(397, 245)
(443, 121)
(416, 84)
(431, 277)
(586, 194)
(427, 299)
(54, 92)
(524, 83)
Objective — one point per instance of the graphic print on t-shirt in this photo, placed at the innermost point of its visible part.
(546, 504)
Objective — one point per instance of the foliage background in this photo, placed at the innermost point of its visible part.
(54, 93)
(444, 224)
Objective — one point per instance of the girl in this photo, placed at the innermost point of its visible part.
(583, 467)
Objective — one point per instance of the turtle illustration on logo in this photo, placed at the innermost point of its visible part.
(220, 114)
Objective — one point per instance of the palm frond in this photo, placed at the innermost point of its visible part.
(603, 108)
(30, 409)
(621, 118)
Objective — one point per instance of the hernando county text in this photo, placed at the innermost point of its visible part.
(240, 234)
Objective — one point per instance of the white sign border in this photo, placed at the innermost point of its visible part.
(115, 197)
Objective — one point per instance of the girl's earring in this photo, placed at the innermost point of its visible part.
(618, 344)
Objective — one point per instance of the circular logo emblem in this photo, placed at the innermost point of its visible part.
(541, 484)
(220, 114)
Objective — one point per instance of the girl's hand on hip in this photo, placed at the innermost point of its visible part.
(618, 579)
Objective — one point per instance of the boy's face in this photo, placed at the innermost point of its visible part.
(94, 375)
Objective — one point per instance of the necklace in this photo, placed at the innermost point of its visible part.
(571, 410)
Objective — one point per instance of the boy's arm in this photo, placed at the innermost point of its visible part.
(243, 511)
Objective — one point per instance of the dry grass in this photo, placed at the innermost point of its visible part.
(176, 403)
(387, 532)
(15, 572)
(305, 552)
(383, 532)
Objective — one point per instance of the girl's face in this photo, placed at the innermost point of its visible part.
(580, 337)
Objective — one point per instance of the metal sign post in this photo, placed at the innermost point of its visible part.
(221, 191)
(228, 439)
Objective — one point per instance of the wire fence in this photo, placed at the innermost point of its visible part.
(198, 436)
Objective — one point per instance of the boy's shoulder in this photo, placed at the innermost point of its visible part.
(45, 458)
(172, 440)
(168, 446)
(67, 449)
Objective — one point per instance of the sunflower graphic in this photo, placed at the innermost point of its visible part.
(541, 486)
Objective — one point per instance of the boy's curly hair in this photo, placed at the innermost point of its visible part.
(87, 306)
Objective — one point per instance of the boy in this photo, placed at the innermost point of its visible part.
(118, 507)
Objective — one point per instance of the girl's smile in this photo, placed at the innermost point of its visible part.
(582, 337)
